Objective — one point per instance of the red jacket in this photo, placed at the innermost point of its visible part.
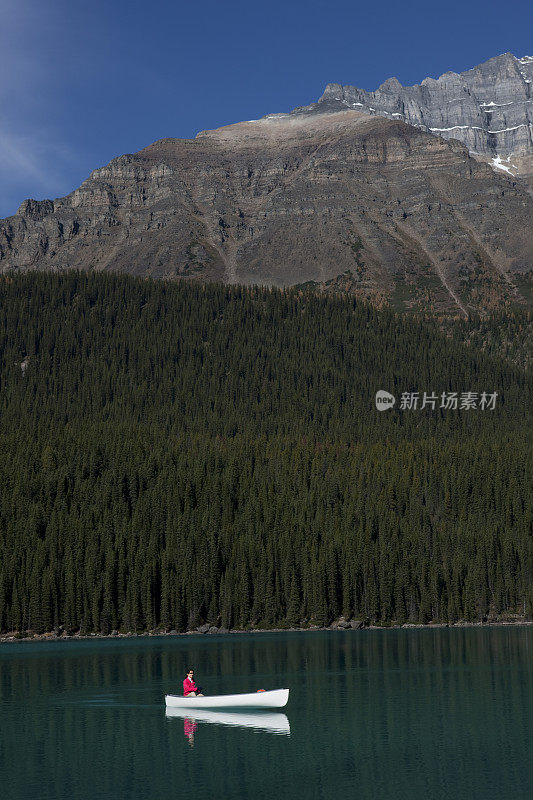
(189, 686)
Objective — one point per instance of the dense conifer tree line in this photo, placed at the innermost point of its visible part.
(174, 454)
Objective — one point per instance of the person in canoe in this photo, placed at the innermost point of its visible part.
(190, 689)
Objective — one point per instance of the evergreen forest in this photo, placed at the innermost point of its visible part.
(179, 454)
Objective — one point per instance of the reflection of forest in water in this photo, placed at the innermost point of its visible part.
(408, 713)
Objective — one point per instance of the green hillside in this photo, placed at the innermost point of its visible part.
(174, 454)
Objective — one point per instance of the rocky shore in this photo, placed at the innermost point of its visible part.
(342, 624)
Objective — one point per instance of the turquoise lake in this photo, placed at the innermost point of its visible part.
(381, 714)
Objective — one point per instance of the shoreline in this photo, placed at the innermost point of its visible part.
(51, 636)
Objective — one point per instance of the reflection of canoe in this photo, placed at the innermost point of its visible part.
(274, 699)
(275, 723)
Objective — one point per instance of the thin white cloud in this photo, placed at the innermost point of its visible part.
(33, 160)
(31, 165)
(20, 154)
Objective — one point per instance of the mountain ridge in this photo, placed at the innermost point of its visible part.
(294, 198)
(488, 107)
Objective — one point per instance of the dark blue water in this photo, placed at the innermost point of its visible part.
(372, 714)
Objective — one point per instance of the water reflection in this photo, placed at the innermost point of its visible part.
(260, 721)
(189, 729)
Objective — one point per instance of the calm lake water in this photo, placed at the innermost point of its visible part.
(372, 714)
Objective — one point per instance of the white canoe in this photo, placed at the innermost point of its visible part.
(273, 722)
(277, 698)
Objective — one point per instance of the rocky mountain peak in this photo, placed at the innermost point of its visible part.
(344, 201)
(390, 85)
(489, 108)
(342, 195)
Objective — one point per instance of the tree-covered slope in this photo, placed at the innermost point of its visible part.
(175, 454)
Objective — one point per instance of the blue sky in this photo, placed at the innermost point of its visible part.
(83, 82)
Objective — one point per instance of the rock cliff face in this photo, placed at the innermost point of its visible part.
(398, 213)
(489, 108)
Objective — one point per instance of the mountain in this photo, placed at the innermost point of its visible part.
(325, 196)
(489, 108)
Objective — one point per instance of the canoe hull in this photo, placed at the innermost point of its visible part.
(277, 698)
